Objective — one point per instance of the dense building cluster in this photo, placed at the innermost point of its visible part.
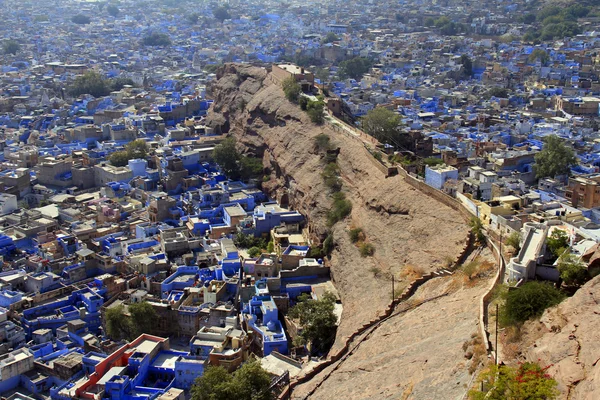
(131, 261)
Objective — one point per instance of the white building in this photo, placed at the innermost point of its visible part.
(8, 203)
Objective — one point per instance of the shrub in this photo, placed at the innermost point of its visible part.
(291, 89)
(557, 242)
(322, 142)
(314, 110)
(355, 234)
(341, 209)
(514, 240)
(331, 178)
(303, 102)
(367, 249)
(572, 271)
(477, 228)
(527, 381)
(328, 244)
(254, 252)
(528, 301)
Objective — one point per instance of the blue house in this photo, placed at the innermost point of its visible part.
(436, 176)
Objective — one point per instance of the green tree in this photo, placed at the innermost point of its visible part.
(254, 252)
(514, 240)
(497, 92)
(539, 54)
(572, 270)
(271, 247)
(137, 149)
(528, 381)
(11, 47)
(250, 167)
(192, 18)
(143, 318)
(554, 159)
(117, 84)
(221, 14)
(354, 68)
(557, 242)
(214, 384)
(156, 39)
(429, 22)
(90, 83)
(119, 158)
(382, 124)
(528, 301)
(477, 229)
(226, 155)
(113, 10)
(291, 89)
(118, 325)
(467, 64)
(314, 109)
(250, 382)
(80, 19)
(330, 38)
(529, 18)
(317, 319)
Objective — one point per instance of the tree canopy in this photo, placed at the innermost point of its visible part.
(383, 125)
(354, 68)
(528, 301)
(11, 47)
(235, 165)
(527, 381)
(226, 155)
(572, 271)
(467, 64)
(80, 19)
(330, 38)
(540, 54)
(557, 242)
(318, 321)
(554, 159)
(137, 149)
(156, 39)
(113, 10)
(90, 83)
(250, 382)
(221, 14)
(291, 89)
(138, 319)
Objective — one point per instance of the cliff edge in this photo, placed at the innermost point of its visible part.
(406, 227)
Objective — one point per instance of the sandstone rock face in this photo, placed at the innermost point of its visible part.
(419, 354)
(405, 226)
(568, 337)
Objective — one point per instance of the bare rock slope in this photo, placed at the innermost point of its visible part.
(406, 227)
(567, 338)
(423, 353)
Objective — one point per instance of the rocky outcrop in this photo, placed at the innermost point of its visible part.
(567, 338)
(406, 227)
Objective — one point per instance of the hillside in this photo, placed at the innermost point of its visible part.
(409, 230)
(406, 227)
(566, 339)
